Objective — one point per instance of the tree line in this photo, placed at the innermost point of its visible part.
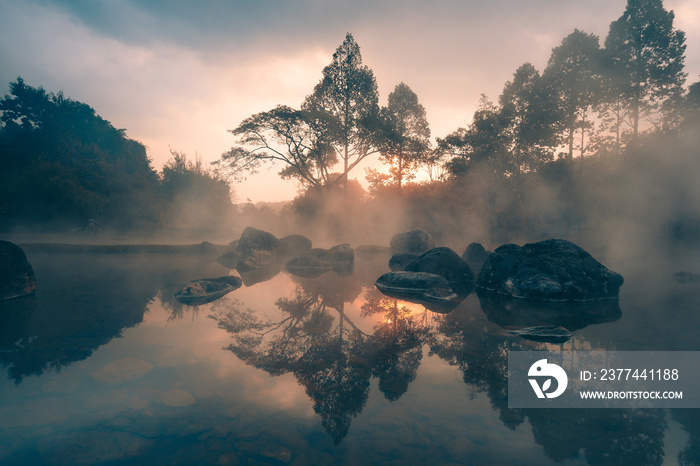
(588, 100)
(65, 168)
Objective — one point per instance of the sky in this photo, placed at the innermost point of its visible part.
(179, 74)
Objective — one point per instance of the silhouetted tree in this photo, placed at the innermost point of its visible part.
(645, 56)
(63, 164)
(530, 113)
(406, 139)
(285, 135)
(346, 102)
(194, 197)
(573, 72)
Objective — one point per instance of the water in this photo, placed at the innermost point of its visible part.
(103, 366)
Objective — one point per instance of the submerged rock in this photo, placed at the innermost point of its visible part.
(414, 242)
(446, 263)
(207, 290)
(294, 245)
(551, 270)
(400, 261)
(686, 277)
(424, 288)
(475, 255)
(16, 273)
(545, 334)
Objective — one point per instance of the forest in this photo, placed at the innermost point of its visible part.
(600, 143)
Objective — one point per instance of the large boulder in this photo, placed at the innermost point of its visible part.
(414, 242)
(475, 256)
(446, 263)
(257, 248)
(207, 290)
(229, 259)
(428, 289)
(16, 273)
(551, 270)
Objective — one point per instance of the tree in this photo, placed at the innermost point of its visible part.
(406, 140)
(645, 57)
(285, 135)
(346, 102)
(62, 164)
(529, 112)
(573, 71)
(194, 197)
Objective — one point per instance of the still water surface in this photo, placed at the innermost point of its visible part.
(103, 366)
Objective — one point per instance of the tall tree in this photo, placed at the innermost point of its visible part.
(347, 96)
(573, 71)
(646, 57)
(531, 116)
(406, 139)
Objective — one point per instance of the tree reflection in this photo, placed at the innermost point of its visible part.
(311, 336)
(605, 436)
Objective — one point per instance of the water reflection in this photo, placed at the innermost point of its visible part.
(336, 337)
(82, 303)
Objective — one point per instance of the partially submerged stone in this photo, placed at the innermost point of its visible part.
(207, 290)
(414, 242)
(544, 333)
(424, 288)
(340, 258)
(475, 255)
(294, 245)
(551, 270)
(229, 260)
(446, 263)
(16, 273)
(307, 266)
(686, 277)
(399, 261)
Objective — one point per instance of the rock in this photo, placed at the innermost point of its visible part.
(307, 266)
(545, 334)
(257, 248)
(294, 245)
(229, 260)
(205, 247)
(400, 261)
(16, 273)
(414, 242)
(420, 287)
(686, 277)
(370, 250)
(207, 290)
(551, 270)
(475, 256)
(446, 263)
(317, 261)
